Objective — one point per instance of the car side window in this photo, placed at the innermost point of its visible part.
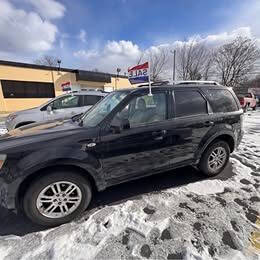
(189, 102)
(90, 100)
(144, 109)
(221, 100)
(70, 101)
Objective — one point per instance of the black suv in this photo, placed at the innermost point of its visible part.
(50, 170)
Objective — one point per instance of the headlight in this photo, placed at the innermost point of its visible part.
(11, 117)
(2, 160)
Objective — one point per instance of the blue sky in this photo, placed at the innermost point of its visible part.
(105, 34)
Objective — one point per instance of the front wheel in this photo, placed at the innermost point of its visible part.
(215, 158)
(57, 198)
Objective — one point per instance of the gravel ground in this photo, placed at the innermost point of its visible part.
(174, 215)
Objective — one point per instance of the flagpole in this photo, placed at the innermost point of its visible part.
(150, 86)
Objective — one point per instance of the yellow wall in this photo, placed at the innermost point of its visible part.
(40, 75)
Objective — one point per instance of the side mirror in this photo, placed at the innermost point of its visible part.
(49, 109)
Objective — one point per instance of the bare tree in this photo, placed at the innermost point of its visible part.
(234, 61)
(159, 58)
(194, 61)
(47, 60)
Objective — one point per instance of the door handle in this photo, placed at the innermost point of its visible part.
(159, 135)
(209, 123)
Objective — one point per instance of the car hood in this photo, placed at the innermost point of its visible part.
(27, 111)
(39, 132)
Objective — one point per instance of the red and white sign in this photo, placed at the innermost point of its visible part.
(139, 73)
(66, 86)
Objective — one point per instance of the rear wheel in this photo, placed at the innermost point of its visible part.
(57, 198)
(254, 108)
(215, 158)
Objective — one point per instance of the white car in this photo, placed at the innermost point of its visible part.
(61, 107)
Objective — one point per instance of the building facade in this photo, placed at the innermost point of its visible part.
(24, 86)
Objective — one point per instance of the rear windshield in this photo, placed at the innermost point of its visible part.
(221, 100)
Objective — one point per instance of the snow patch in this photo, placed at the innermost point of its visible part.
(206, 187)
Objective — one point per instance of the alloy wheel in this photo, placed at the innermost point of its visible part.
(217, 159)
(59, 199)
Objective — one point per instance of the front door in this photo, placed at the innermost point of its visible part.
(144, 146)
(64, 107)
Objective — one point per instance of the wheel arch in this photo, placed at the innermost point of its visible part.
(36, 174)
(224, 136)
(24, 123)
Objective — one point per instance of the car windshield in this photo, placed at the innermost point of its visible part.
(98, 112)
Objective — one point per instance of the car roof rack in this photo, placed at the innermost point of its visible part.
(156, 83)
(196, 82)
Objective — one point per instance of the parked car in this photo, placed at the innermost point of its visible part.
(51, 170)
(247, 101)
(61, 107)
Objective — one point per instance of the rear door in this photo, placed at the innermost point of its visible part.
(89, 101)
(190, 123)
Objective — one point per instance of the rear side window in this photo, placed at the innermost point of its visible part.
(91, 100)
(221, 100)
(189, 102)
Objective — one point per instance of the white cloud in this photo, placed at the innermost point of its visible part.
(114, 54)
(24, 32)
(48, 9)
(82, 35)
(82, 54)
(122, 48)
(247, 15)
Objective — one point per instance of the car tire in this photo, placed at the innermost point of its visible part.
(245, 108)
(254, 108)
(37, 198)
(210, 165)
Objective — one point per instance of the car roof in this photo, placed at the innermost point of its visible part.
(86, 93)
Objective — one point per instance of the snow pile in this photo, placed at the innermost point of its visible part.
(205, 187)
(208, 219)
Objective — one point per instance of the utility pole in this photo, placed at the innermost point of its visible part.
(174, 66)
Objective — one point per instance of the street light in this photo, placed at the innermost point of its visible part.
(117, 74)
(59, 62)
